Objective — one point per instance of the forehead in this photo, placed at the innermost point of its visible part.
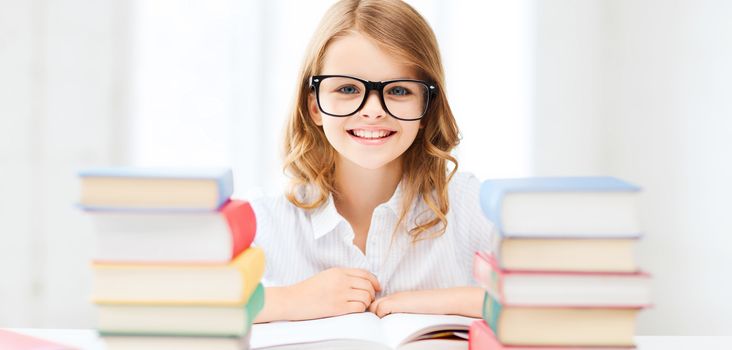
(359, 56)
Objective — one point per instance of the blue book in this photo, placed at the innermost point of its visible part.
(562, 207)
(159, 189)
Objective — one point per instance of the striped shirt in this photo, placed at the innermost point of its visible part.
(300, 243)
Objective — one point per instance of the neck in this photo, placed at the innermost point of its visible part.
(360, 190)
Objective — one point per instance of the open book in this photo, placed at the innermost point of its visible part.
(365, 331)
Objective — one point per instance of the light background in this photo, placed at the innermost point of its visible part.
(635, 89)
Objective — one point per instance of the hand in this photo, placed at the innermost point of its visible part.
(410, 302)
(466, 301)
(332, 292)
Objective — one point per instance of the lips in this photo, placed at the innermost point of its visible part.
(371, 136)
(371, 133)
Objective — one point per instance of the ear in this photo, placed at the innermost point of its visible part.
(314, 110)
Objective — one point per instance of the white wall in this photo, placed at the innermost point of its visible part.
(488, 52)
(16, 129)
(568, 88)
(636, 89)
(641, 90)
(670, 129)
(60, 106)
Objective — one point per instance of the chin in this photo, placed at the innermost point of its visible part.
(372, 164)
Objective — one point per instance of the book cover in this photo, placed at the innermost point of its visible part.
(179, 284)
(560, 326)
(173, 320)
(163, 189)
(481, 337)
(564, 289)
(154, 237)
(17, 341)
(566, 254)
(562, 207)
(126, 342)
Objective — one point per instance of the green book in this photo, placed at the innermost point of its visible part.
(180, 320)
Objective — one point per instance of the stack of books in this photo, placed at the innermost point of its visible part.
(173, 267)
(562, 273)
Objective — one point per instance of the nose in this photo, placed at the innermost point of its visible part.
(373, 108)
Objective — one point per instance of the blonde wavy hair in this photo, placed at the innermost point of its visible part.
(308, 157)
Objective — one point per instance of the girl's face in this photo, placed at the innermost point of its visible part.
(371, 138)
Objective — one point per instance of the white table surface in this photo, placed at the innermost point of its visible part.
(87, 339)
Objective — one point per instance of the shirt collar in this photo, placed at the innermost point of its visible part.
(326, 218)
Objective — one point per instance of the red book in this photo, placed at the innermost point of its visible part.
(481, 337)
(16, 341)
(171, 237)
(561, 288)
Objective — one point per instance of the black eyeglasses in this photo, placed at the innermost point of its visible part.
(343, 95)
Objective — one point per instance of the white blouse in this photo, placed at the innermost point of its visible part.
(299, 244)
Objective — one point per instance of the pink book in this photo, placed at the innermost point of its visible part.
(561, 289)
(17, 341)
(481, 337)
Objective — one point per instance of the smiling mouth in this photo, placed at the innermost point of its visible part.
(371, 135)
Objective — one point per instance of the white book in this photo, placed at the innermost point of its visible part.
(365, 331)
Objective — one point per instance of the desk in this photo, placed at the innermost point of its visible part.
(88, 340)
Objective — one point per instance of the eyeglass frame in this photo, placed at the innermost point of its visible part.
(315, 80)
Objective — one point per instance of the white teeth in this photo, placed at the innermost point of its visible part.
(370, 134)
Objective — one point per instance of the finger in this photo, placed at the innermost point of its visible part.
(362, 284)
(382, 309)
(354, 306)
(361, 296)
(375, 304)
(365, 275)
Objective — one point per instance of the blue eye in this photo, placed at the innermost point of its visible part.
(349, 89)
(399, 91)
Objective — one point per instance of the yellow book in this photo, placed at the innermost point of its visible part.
(179, 284)
(560, 326)
(566, 254)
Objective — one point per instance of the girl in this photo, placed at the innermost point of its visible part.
(374, 219)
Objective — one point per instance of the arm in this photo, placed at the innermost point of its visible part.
(465, 301)
(276, 304)
(332, 292)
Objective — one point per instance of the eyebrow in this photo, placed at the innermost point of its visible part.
(360, 77)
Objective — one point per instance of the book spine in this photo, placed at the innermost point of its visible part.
(226, 186)
(491, 197)
(480, 337)
(250, 265)
(493, 192)
(492, 312)
(488, 275)
(255, 303)
(242, 225)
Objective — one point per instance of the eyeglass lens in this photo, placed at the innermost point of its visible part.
(342, 96)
